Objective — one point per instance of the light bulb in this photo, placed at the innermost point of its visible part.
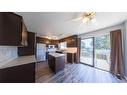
(85, 20)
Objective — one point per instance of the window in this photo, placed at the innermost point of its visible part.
(63, 45)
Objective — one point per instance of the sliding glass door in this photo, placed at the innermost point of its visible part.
(86, 52)
(102, 52)
(96, 52)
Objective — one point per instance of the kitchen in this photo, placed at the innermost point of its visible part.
(56, 46)
(21, 49)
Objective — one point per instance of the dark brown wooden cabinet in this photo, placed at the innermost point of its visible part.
(11, 27)
(56, 63)
(30, 48)
(18, 74)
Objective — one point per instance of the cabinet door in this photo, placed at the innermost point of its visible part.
(30, 48)
(18, 74)
(10, 29)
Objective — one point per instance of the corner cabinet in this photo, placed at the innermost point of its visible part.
(11, 29)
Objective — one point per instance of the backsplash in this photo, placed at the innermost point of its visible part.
(7, 53)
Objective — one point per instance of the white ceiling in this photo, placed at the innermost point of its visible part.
(59, 23)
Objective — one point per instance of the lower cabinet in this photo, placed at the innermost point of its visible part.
(56, 63)
(18, 74)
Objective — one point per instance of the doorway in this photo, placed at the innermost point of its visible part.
(95, 52)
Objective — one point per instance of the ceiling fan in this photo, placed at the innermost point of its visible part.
(86, 17)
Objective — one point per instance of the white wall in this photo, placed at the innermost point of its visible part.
(7, 53)
(100, 32)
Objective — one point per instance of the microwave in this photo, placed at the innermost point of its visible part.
(51, 46)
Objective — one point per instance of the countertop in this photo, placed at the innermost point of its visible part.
(56, 54)
(19, 61)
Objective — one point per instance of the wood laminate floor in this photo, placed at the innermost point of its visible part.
(74, 73)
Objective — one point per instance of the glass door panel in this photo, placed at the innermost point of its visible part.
(102, 52)
(86, 51)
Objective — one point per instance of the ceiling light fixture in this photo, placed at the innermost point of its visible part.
(88, 16)
(55, 37)
(52, 37)
(48, 37)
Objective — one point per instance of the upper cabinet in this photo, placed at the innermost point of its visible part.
(47, 41)
(12, 30)
(30, 48)
(72, 41)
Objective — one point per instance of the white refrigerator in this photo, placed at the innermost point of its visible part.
(41, 52)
